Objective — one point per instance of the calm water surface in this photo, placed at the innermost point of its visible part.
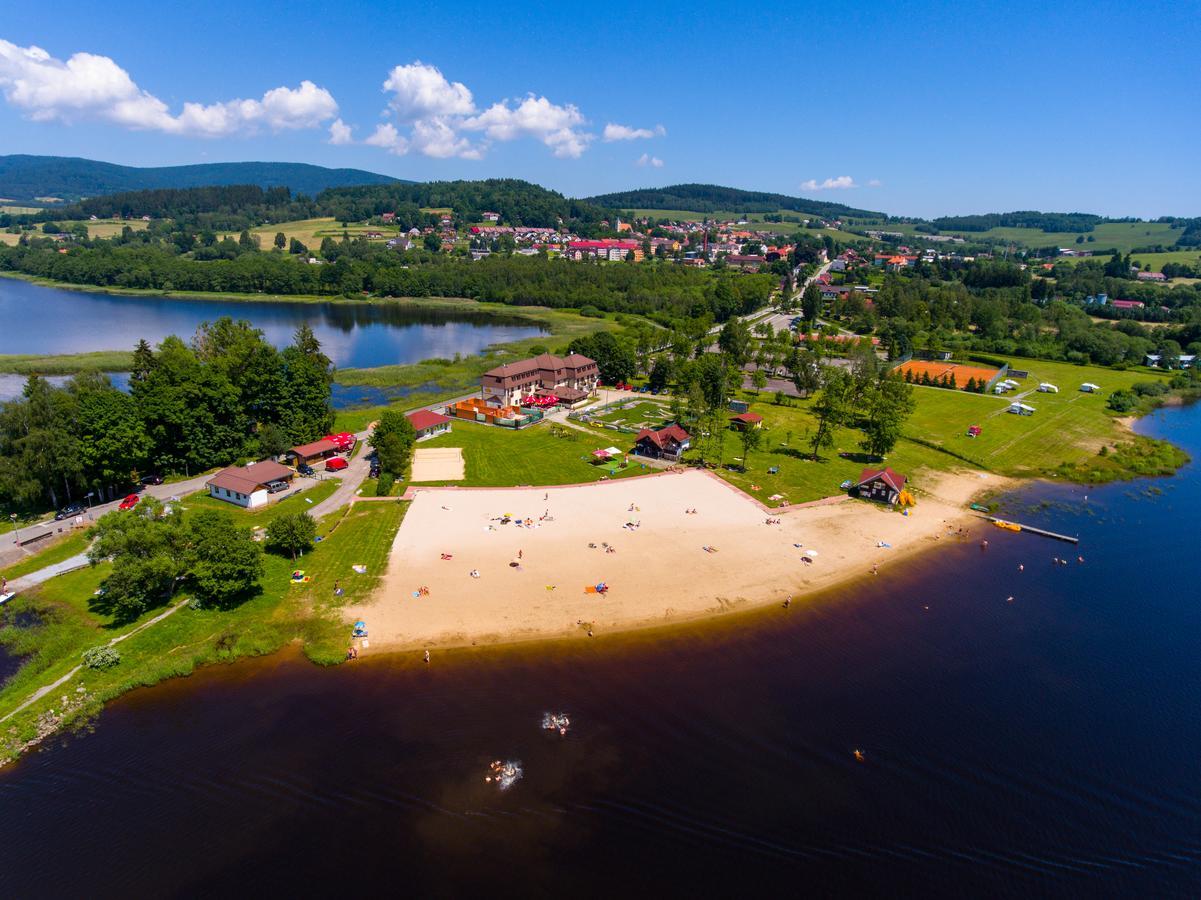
(1045, 746)
(52, 321)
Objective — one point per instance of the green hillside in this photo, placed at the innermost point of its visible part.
(713, 198)
(25, 178)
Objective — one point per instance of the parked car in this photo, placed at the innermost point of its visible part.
(304, 469)
(335, 464)
(374, 472)
(129, 502)
(274, 487)
(152, 479)
(69, 511)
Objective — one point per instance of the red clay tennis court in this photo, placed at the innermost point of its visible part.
(939, 370)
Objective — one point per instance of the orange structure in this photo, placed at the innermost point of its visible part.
(937, 371)
(480, 411)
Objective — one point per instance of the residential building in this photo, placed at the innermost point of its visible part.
(248, 485)
(571, 378)
(1151, 276)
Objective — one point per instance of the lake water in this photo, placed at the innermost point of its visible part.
(1045, 746)
(46, 320)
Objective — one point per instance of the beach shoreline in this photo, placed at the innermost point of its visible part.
(430, 602)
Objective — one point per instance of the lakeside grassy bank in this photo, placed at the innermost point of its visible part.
(51, 626)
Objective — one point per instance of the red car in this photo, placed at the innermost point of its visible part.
(336, 464)
(129, 502)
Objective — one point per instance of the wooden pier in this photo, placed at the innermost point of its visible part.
(1042, 532)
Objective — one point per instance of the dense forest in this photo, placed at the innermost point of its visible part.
(714, 198)
(1049, 222)
(24, 178)
(518, 202)
(226, 396)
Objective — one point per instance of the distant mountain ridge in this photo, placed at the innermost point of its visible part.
(716, 198)
(24, 178)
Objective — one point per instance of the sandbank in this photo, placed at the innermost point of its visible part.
(659, 572)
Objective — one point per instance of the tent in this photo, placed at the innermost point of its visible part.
(613, 451)
(601, 454)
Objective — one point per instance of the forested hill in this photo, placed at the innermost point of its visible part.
(25, 178)
(714, 198)
(518, 202)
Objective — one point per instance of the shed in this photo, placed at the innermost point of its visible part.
(746, 420)
(882, 485)
(428, 423)
(312, 452)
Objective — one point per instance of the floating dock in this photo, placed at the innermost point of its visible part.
(1042, 532)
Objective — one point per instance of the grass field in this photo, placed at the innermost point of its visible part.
(498, 457)
(1069, 427)
(19, 210)
(1123, 236)
(68, 623)
(296, 501)
(310, 232)
(11, 239)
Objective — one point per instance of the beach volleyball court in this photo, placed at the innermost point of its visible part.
(439, 464)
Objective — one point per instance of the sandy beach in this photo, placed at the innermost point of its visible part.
(659, 570)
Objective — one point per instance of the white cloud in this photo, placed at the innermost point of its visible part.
(556, 126)
(387, 137)
(647, 160)
(841, 183)
(339, 133)
(420, 91)
(92, 86)
(614, 132)
(875, 182)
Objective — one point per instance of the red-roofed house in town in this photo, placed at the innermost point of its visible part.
(250, 485)
(608, 248)
(428, 423)
(1151, 276)
(663, 443)
(882, 485)
(1127, 304)
(570, 378)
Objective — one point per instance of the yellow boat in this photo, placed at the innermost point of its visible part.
(1008, 526)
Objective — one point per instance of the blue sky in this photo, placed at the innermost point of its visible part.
(911, 108)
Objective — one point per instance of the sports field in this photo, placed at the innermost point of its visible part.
(940, 370)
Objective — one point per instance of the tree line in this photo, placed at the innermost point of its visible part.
(225, 397)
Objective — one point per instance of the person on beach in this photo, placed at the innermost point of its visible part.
(427, 657)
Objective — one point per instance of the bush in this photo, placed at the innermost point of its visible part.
(1122, 401)
(384, 487)
(591, 312)
(1150, 388)
(101, 658)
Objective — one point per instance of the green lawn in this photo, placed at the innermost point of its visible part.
(316, 491)
(279, 614)
(55, 551)
(498, 457)
(1069, 427)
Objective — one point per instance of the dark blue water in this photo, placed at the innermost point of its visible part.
(45, 320)
(1046, 746)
